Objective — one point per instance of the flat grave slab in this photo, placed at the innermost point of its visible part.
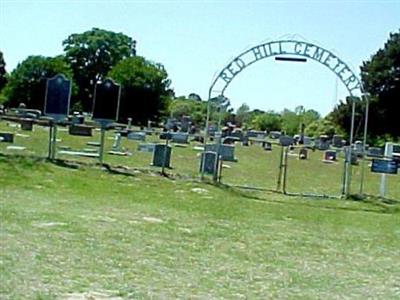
(93, 144)
(78, 153)
(16, 148)
(119, 153)
(146, 148)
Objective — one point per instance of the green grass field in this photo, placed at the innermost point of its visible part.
(74, 230)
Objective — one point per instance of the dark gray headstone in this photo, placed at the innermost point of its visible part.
(179, 137)
(227, 152)
(267, 146)
(27, 124)
(208, 162)
(286, 140)
(303, 153)
(330, 155)
(375, 152)
(106, 101)
(80, 130)
(162, 155)
(7, 137)
(136, 136)
(58, 91)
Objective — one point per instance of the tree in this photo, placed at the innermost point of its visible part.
(381, 79)
(91, 55)
(3, 79)
(145, 89)
(269, 121)
(181, 106)
(242, 115)
(193, 96)
(27, 82)
(341, 116)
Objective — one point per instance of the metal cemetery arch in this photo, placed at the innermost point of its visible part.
(294, 48)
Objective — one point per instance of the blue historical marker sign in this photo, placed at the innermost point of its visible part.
(106, 101)
(58, 92)
(384, 166)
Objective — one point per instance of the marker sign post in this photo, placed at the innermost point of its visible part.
(105, 107)
(56, 106)
(380, 166)
(384, 166)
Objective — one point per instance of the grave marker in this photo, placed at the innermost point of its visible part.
(162, 155)
(105, 107)
(136, 136)
(286, 140)
(58, 92)
(303, 153)
(26, 124)
(56, 106)
(330, 155)
(7, 137)
(208, 162)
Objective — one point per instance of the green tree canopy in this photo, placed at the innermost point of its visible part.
(91, 55)
(269, 121)
(381, 78)
(145, 89)
(27, 82)
(181, 106)
(242, 117)
(3, 78)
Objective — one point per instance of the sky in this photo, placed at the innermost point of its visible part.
(195, 40)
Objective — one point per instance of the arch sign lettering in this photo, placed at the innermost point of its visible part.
(286, 49)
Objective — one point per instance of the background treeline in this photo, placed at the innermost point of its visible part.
(147, 94)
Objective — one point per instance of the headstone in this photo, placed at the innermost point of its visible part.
(267, 146)
(303, 153)
(208, 162)
(330, 155)
(228, 140)
(80, 130)
(27, 124)
(136, 136)
(337, 141)
(7, 137)
(162, 155)
(256, 134)
(146, 147)
(106, 102)
(375, 152)
(29, 113)
(307, 141)
(129, 124)
(275, 134)
(227, 152)
(358, 148)
(77, 119)
(245, 141)
(58, 91)
(117, 142)
(165, 135)
(286, 140)
(321, 144)
(185, 123)
(179, 137)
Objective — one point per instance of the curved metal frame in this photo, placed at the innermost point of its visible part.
(303, 49)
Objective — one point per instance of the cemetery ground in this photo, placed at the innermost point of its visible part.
(72, 228)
